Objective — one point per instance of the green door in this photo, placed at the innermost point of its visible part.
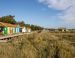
(5, 31)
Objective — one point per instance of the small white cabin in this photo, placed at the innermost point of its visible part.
(24, 29)
(28, 29)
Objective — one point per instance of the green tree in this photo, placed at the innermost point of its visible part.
(8, 19)
(35, 27)
(21, 23)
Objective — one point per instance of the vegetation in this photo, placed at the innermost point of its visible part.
(35, 27)
(37, 45)
(10, 19)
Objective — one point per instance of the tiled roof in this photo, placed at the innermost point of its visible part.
(7, 24)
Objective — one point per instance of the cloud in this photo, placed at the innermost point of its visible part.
(68, 15)
(57, 4)
(67, 7)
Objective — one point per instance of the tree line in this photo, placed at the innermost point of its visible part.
(10, 19)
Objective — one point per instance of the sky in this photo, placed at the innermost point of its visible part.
(45, 13)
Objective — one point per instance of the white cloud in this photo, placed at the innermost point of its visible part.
(68, 15)
(57, 4)
(67, 6)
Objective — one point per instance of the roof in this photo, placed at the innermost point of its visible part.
(28, 28)
(7, 25)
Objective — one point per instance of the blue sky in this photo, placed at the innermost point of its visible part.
(38, 12)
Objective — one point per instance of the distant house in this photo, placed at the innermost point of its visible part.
(62, 29)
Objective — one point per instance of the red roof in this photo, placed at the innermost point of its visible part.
(7, 24)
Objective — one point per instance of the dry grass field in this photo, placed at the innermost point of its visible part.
(39, 45)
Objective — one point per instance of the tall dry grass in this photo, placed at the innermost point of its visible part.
(37, 45)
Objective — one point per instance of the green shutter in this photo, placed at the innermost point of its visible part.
(5, 30)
